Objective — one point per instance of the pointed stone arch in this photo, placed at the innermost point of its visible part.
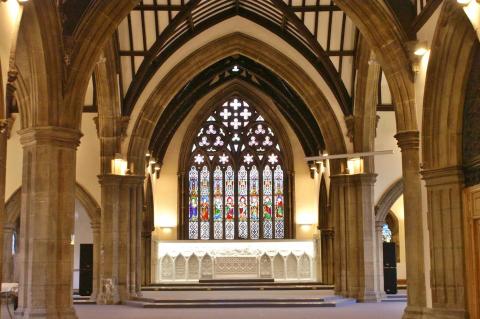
(236, 43)
(451, 227)
(389, 197)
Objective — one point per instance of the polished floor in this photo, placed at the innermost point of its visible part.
(390, 310)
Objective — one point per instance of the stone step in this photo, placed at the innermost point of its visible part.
(236, 286)
(395, 298)
(229, 303)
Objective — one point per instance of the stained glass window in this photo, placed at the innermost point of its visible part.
(386, 233)
(236, 177)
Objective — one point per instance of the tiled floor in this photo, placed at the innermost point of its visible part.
(392, 310)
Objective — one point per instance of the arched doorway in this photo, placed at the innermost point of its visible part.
(389, 217)
(86, 232)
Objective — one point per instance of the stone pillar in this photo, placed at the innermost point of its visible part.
(8, 262)
(327, 243)
(447, 248)
(408, 141)
(379, 255)
(96, 259)
(120, 238)
(355, 246)
(147, 257)
(48, 204)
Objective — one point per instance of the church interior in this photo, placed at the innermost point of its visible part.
(240, 158)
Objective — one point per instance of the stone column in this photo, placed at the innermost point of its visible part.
(447, 249)
(327, 243)
(355, 246)
(147, 257)
(379, 255)
(8, 263)
(96, 259)
(408, 141)
(120, 239)
(48, 204)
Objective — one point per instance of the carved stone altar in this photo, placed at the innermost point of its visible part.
(283, 260)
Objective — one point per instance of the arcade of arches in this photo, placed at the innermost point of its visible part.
(194, 145)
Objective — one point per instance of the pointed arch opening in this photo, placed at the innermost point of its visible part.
(237, 175)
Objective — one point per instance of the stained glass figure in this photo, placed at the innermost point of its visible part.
(229, 203)
(254, 204)
(193, 204)
(279, 205)
(242, 203)
(218, 203)
(204, 203)
(267, 202)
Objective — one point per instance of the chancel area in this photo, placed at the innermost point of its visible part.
(240, 158)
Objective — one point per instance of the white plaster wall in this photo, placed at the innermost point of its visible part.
(165, 188)
(88, 157)
(14, 160)
(83, 235)
(397, 209)
(387, 167)
(8, 20)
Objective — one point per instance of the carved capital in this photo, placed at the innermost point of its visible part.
(6, 126)
(443, 176)
(122, 124)
(50, 135)
(350, 123)
(408, 140)
(97, 125)
(377, 119)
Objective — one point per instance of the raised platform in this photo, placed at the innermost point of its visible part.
(237, 285)
(239, 299)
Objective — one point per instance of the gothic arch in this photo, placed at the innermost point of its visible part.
(250, 95)
(267, 110)
(388, 198)
(453, 48)
(229, 45)
(445, 86)
(12, 206)
(386, 37)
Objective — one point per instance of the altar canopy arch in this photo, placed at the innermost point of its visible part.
(236, 177)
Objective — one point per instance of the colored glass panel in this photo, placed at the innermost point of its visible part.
(279, 203)
(254, 203)
(229, 203)
(267, 202)
(193, 204)
(204, 203)
(218, 203)
(242, 203)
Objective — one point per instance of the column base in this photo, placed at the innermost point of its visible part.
(412, 312)
(45, 314)
(436, 313)
(367, 297)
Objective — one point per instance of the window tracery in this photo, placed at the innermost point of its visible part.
(236, 179)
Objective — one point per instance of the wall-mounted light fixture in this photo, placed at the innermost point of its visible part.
(355, 165)
(417, 50)
(464, 3)
(119, 165)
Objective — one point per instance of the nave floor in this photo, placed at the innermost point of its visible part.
(390, 310)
